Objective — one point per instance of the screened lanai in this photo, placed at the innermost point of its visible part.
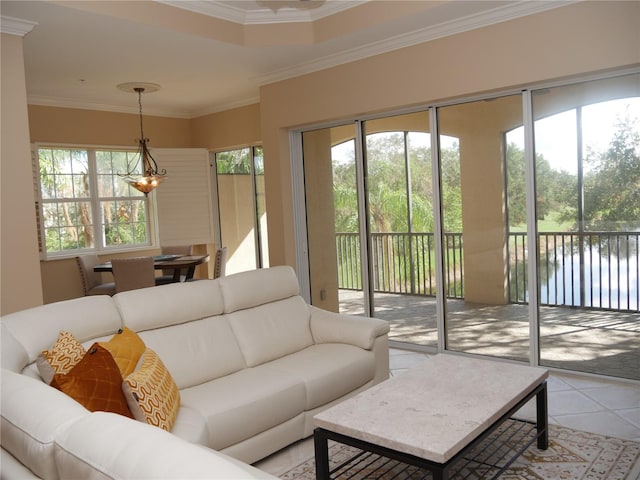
(504, 225)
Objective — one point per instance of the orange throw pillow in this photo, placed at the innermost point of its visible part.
(152, 393)
(125, 347)
(61, 358)
(95, 382)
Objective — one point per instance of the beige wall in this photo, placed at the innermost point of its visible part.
(321, 231)
(238, 127)
(550, 45)
(89, 127)
(237, 221)
(479, 127)
(20, 270)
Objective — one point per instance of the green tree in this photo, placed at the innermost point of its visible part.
(345, 198)
(451, 188)
(386, 186)
(235, 162)
(553, 188)
(612, 184)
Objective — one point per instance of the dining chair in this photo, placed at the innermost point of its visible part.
(133, 273)
(220, 262)
(167, 273)
(92, 283)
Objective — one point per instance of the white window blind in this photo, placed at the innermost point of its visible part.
(184, 200)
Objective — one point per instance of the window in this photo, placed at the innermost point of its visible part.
(85, 205)
(241, 206)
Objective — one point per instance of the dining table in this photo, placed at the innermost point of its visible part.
(168, 262)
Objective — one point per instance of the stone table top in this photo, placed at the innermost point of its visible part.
(433, 410)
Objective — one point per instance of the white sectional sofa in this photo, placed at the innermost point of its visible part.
(252, 361)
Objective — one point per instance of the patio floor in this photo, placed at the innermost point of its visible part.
(591, 341)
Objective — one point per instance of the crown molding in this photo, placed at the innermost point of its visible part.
(16, 26)
(58, 102)
(61, 102)
(471, 22)
(285, 14)
(221, 107)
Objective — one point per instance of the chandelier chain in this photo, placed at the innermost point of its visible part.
(150, 177)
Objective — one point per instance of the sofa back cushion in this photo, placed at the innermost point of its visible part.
(257, 287)
(13, 356)
(33, 414)
(172, 304)
(87, 318)
(197, 351)
(272, 330)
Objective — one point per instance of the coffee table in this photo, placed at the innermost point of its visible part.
(435, 413)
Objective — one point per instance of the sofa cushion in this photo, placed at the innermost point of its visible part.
(272, 330)
(61, 357)
(241, 405)
(32, 415)
(328, 370)
(151, 392)
(95, 382)
(191, 426)
(257, 287)
(125, 347)
(170, 304)
(139, 451)
(208, 350)
(86, 317)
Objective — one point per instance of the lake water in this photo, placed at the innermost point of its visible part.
(609, 282)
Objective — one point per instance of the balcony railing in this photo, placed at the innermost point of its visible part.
(402, 263)
(598, 270)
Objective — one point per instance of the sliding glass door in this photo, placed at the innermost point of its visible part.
(333, 219)
(587, 144)
(399, 202)
(477, 162)
(370, 222)
(517, 238)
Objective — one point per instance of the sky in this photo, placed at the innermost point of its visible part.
(556, 136)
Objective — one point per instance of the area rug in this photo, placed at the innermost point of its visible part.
(572, 455)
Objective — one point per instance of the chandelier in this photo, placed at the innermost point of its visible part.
(150, 177)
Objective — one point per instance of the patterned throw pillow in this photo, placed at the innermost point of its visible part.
(152, 393)
(125, 348)
(63, 356)
(95, 382)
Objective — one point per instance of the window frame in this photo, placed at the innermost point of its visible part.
(94, 201)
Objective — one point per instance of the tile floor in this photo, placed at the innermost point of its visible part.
(603, 406)
(607, 407)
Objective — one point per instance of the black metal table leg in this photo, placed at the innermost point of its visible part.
(321, 446)
(542, 421)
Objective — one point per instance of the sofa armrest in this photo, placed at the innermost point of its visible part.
(107, 445)
(331, 327)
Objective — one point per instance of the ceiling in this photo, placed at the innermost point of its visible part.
(210, 55)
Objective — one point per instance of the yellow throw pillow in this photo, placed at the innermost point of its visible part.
(152, 393)
(95, 382)
(126, 347)
(61, 358)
